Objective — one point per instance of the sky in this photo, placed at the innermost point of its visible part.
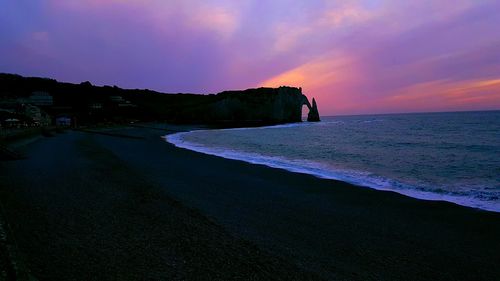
(353, 56)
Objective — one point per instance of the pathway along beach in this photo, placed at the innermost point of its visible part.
(86, 206)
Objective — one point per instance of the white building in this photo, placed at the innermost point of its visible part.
(41, 99)
(121, 102)
(63, 121)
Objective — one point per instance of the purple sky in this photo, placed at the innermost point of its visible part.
(364, 56)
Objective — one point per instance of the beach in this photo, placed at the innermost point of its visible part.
(123, 204)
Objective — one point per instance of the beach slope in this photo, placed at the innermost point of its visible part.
(98, 206)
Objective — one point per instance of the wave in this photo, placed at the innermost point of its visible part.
(360, 178)
(281, 126)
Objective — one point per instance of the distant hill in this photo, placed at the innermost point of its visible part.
(93, 104)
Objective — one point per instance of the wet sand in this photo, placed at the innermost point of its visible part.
(87, 206)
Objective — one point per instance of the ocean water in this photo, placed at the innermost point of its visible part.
(435, 156)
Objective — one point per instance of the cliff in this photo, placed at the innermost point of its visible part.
(313, 115)
(262, 105)
(93, 104)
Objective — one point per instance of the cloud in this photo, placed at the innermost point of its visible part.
(456, 47)
(338, 19)
(316, 74)
(439, 94)
(354, 56)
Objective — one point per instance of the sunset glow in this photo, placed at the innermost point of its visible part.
(357, 56)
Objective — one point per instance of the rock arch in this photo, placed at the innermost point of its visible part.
(313, 115)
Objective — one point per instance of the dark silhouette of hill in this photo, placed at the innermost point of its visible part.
(93, 104)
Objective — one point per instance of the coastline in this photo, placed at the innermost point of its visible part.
(129, 189)
(318, 170)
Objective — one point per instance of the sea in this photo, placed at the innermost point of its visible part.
(452, 156)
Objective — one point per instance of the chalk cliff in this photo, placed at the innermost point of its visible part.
(93, 104)
(313, 115)
(262, 105)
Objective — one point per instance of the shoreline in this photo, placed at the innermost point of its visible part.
(182, 214)
(182, 244)
(320, 172)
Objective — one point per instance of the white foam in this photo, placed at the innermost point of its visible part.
(326, 171)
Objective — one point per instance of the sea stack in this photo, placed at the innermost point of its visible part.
(313, 115)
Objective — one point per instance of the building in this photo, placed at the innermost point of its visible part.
(96, 106)
(121, 102)
(63, 121)
(41, 99)
(13, 123)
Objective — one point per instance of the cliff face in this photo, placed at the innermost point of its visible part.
(313, 115)
(91, 104)
(266, 105)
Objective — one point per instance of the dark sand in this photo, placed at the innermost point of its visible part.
(87, 206)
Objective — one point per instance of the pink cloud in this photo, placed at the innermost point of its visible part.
(354, 56)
